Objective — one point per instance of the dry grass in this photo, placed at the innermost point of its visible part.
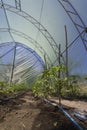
(83, 89)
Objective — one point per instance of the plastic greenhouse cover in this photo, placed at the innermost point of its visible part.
(37, 28)
(25, 63)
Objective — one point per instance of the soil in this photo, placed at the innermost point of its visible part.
(29, 113)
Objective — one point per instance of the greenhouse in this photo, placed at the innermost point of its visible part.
(43, 50)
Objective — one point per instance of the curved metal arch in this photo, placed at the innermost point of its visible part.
(79, 24)
(31, 40)
(37, 24)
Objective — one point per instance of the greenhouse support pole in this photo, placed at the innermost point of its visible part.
(59, 73)
(45, 62)
(59, 60)
(67, 73)
(13, 65)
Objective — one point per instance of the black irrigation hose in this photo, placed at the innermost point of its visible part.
(65, 113)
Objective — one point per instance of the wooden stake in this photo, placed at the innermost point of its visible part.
(67, 73)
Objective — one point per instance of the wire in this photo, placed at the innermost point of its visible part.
(73, 42)
(41, 12)
(7, 20)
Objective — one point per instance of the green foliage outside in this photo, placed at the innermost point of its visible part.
(73, 86)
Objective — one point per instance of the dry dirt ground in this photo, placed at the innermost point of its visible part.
(29, 113)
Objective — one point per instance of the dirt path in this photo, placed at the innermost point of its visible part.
(28, 113)
(76, 104)
(22, 113)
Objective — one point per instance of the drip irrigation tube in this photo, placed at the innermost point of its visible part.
(65, 113)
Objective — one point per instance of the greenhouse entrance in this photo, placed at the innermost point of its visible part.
(18, 62)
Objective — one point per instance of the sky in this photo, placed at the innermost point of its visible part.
(54, 18)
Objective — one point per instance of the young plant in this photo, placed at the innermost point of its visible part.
(50, 82)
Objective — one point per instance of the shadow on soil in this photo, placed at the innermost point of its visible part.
(51, 119)
(35, 115)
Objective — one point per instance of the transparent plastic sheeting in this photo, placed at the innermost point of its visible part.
(23, 62)
(77, 60)
(40, 25)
